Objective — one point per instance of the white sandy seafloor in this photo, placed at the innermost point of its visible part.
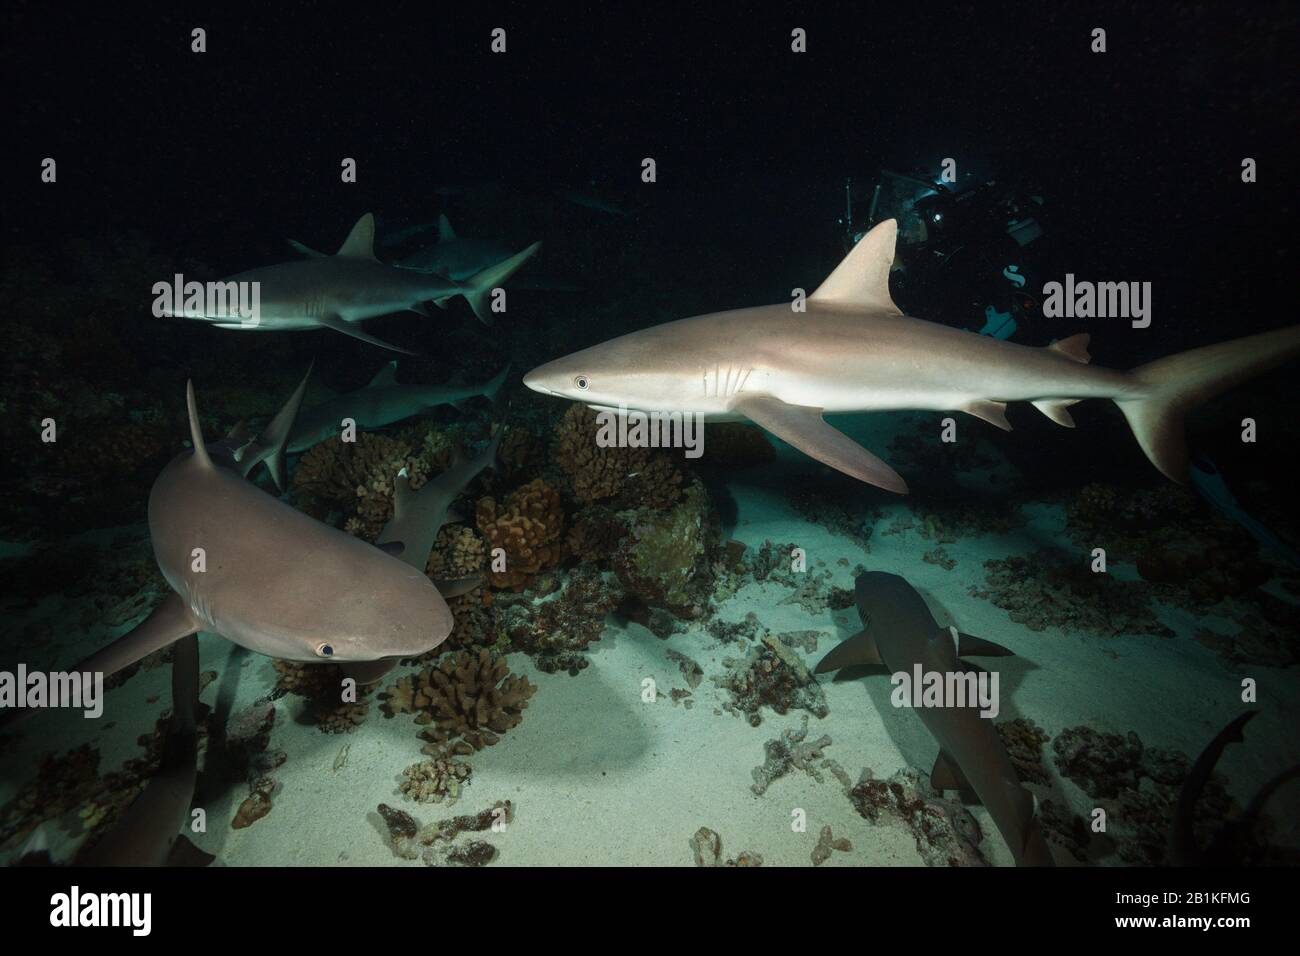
(597, 776)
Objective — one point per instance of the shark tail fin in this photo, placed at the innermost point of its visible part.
(492, 388)
(196, 430)
(1168, 388)
(479, 286)
(276, 434)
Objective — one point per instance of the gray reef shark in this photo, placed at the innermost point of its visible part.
(456, 257)
(900, 632)
(148, 833)
(244, 565)
(854, 351)
(339, 291)
(382, 402)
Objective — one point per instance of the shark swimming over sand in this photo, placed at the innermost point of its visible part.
(382, 402)
(244, 565)
(852, 350)
(338, 292)
(900, 633)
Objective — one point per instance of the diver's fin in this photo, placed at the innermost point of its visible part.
(853, 651)
(1056, 411)
(1168, 388)
(306, 250)
(347, 328)
(385, 376)
(445, 231)
(1074, 347)
(479, 286)
(970, 646)
(360, 243)
(861, 280)
(995, 413)
(805, 429)
(185, 853)
(946, 775)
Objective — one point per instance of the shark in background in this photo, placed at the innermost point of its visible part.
(382, 402)
(455, 257)
(900, 633)
(854, 351)
(339, 291)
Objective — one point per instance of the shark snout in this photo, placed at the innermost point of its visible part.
(536, 381)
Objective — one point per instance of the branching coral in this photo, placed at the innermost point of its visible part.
(628, 476)
(558, 630)
(440, 778)
(528, 527)
(665, 560)
(469, 700)
(356, 478)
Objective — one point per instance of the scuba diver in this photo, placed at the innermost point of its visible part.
(961, 247)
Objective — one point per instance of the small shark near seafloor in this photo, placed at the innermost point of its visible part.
(900, 632)
(854, 351)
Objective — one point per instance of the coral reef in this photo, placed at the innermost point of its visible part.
(793, 751)
(434, 843)
(826, 843)
(736, 445)
(62, 783)
(774, 676)
(437, 779)
(557, 631)
(356, 479)
(665, 559)
(469, 700)
(1056, 589)
(1023, 740)
(623, 476)
(529, 527)
(945, 832)
(706, 847)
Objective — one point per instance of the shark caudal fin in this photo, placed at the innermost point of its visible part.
(479, 286)
(1167, 389)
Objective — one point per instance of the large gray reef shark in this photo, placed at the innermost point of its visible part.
(382, 402)
(854, 351)
(244, 565)
(900, 632)
(339, 291)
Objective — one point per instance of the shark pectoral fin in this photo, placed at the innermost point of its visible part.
(185, 853)
(368, 672)
(805, 429)
(460, 586)
(445, 232)
(970, 646)
(395, 548)
(946, 775)
(1056, 411)
(853, 651)
(347, 328)
(274, 439)
(995, 413)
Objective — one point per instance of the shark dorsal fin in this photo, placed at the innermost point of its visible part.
(196, 432)
(861, 281)
(385, 376)
(360, 243)
(445, 231)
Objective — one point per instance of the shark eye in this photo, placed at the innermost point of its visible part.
(581, 382)
(324, 650)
